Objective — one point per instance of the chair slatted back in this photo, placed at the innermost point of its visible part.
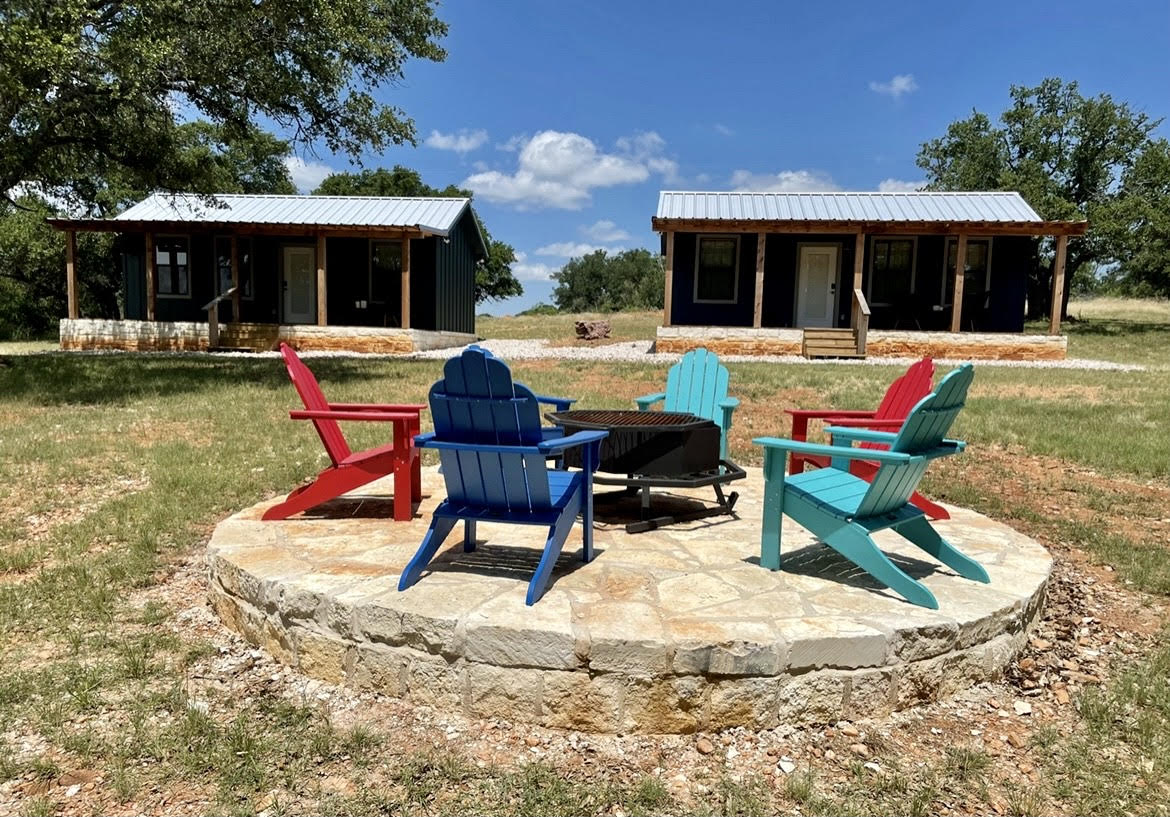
(924, 430)
(477, 402)
(697, 384)
(904, 394)
(310, 393)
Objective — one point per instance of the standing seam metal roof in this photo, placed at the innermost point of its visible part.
(431, 214)
(892, 207)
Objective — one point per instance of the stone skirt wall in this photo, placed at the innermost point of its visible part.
(155, 336)
(727, 340)
(671, 631)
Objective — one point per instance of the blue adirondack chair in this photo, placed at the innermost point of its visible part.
(492, 452)
(843, 510)
(697, 384)
(557, 403)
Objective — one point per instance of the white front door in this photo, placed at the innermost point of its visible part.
(816, 286)
(300, 285)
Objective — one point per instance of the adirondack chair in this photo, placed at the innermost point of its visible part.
(843, 510)
(557, 403)
(352, 470)
(697, 384)
(902, 395)
(492, 452)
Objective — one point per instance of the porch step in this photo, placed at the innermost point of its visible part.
(829, 343)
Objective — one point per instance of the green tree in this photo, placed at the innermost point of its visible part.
(599, 282)
(90, 89)
(493, 278)
(1140, 225)
(1067, 154)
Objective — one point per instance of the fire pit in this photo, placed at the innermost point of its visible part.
(655, 449)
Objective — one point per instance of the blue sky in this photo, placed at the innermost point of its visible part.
(566, 119)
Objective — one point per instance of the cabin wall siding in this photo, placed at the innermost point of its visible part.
(684, 310)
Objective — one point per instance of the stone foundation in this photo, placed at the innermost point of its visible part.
(880, 343)
(674, 630)
(156, 336)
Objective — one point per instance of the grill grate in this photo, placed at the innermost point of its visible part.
(606, 418)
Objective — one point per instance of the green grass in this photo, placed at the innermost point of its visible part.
(113, 466)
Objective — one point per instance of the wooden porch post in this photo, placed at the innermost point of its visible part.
(858, 271)
(960, 274)
(322, 293)
(669, 265)
(235, 279)
(71, 272)
(1058, 284)
(405, 283)
(150, 277)
(758, 314)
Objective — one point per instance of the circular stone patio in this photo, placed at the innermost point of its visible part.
(673, 630)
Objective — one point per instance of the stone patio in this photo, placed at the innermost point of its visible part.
(674, 630)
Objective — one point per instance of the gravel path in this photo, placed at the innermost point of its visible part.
(641, 351)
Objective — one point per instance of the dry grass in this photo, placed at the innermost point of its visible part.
(559, 328)
(1139, 310)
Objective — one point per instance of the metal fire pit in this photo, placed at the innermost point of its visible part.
(655, 449)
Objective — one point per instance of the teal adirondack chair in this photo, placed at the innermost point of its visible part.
(843, 510)
(697, 385)
(492, 452)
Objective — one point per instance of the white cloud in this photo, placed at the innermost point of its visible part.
(898, 86)
(569, 249)
(462, 142)
(900, 186)
(306, 176)
(514, 143)
(786, 181)
(556, 169)
(606, 231)
(531, 271)
(723, 130)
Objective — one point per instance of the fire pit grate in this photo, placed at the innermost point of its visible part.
(631, 420)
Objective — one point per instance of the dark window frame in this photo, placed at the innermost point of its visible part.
(912, 240)
(170, 245)
(699, 269)
(247, 267)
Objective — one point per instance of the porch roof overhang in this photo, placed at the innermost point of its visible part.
(118, 225)
(869, 227)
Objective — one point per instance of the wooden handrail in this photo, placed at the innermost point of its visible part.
(212, 308)
(860, 319)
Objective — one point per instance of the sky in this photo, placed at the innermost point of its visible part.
(567, 119)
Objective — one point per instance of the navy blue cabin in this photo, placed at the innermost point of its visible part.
(822, 261)
(342, 261)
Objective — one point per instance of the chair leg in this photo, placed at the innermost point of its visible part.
(468, 535)
(403, 490)
(329, 485)
(922, 534)
(773, 509)
(416, 475)
(436, 533)
(557, 534)
(929, 507)
(852, 542)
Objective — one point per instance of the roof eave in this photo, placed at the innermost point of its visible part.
(1027, 228)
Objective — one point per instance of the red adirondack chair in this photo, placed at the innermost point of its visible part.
(352, 470)
(902, 395)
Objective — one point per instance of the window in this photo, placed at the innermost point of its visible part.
(385, 266)
(717, 270)
(223, 265)
(891, 271)
(976, 272)
(171, 255)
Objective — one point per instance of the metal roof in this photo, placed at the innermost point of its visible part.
(430, 214)
(853, 207)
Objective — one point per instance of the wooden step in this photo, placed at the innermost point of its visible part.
(829, 342)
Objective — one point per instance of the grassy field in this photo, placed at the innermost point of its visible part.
(114, 469)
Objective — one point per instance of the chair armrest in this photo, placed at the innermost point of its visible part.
(373, 416)
(572, 441)
(850, 435)
(645, 402)
(820, 414)
(559, 403)
(428, 441)
(862, 422)
(393, 407)
(834, 451)
(730, 403)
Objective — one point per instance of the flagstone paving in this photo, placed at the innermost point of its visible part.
(667, 631)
